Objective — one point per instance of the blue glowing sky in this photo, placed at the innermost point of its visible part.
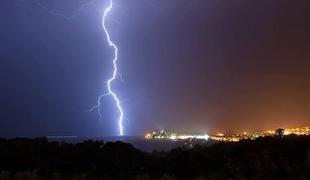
(190, 66)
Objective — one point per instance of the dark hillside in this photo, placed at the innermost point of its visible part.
(264, 158)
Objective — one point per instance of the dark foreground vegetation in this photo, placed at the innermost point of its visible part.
(264, 158)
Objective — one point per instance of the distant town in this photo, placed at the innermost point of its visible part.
(227, 137)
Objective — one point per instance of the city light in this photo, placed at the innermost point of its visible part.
(226, 137)
(174, 136)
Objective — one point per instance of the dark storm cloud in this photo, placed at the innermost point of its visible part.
(187, 65)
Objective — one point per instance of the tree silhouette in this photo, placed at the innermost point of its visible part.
(279, 132)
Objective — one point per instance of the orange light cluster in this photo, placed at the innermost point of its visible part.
(226, 137)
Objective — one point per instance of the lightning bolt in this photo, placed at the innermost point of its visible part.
(115, 72)
(115, 58)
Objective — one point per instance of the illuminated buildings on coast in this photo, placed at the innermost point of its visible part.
(174, 136)
(226, 137)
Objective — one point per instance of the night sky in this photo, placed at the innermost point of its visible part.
(197, 66)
